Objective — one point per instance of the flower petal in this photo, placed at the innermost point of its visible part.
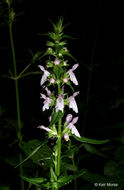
(47, 102)
(48, 91)
(73, 129)
(59, 104)
(72, 77)
(44, 77)
(73, 104)
(43, 96)
(68, 118)
(76, 93)
(41, 68)
(75, 67)
(75, 119)
(44, 128)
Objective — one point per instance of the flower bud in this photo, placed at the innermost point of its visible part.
(64, 63)
(60, 55)
(65, 80)
(56, 62)
(52, 80)
(66, 137)
(65, 49)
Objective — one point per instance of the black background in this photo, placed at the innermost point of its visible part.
(89, 22)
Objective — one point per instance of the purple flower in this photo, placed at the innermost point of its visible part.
(59, 103)
(56, 62)
(72, 75)
(73, 128)
(44, 76)
(47, 102)
(72, 102)
(44, 128)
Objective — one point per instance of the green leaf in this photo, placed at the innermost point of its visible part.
(42, 156)
(62, 43)
(53, 175)
(58, 70)
(69, 167)
(52, 35)
(49, 43)
(110, 168)
(67, 179)
(90, 141)
(34, 181)
(93, 150)
(69, 84)
(70, 55)
(31, 153)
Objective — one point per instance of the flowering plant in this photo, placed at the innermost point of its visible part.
(58, 73)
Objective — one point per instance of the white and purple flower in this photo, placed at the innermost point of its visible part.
(44, 76)
(72, 75)
(47, 100)
(73, 129)
(72, 102)
(59, 103)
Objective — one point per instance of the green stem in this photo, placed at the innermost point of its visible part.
(17, 94)
(59, 141)
(59, 148)
(75, 181)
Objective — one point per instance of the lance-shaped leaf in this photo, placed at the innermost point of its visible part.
(58, 71)
(53, 175)
(34, 181)
(64, 180)
(90, 141)
(29, 151)
(93, 150)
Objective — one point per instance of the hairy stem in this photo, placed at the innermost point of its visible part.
(17, 94)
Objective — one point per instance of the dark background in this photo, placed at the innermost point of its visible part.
(98, 29)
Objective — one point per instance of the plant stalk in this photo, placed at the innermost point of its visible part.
(59, 148)
(17, 95)
(59, 141)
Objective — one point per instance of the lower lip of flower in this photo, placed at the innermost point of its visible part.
(52, 80)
